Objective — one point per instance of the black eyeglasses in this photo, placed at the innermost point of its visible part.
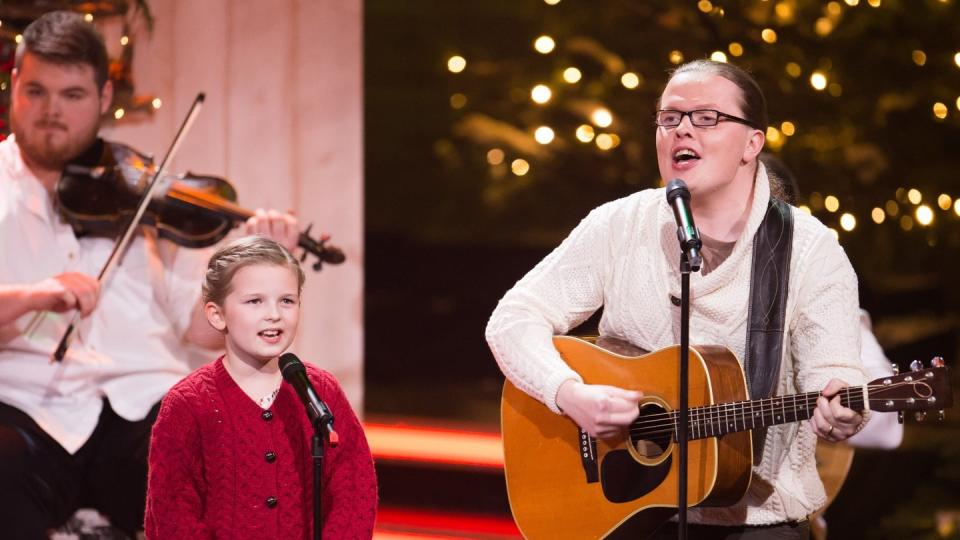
(699, 118)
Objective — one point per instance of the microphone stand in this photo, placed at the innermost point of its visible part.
(685, 267)
(323, 434)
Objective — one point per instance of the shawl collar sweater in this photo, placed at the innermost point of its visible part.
(222, 467)
(624, 256)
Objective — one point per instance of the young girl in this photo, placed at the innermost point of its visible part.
(230, 451)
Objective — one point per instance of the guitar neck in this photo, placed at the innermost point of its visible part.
(717, 420)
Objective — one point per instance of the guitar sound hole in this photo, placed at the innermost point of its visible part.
(651, 432)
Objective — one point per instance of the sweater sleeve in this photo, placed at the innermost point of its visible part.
(826, 331)
(562, 291)
(349, 480)
(174, 481)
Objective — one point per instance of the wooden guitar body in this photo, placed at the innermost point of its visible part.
(626, 486)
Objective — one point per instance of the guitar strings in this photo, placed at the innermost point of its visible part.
(716, 416)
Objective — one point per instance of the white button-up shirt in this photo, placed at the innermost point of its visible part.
(129, 349)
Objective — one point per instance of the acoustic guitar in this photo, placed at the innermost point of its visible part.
(563, 483)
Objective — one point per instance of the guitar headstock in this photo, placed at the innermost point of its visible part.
(920, 390)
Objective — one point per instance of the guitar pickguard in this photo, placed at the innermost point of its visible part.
(624, 480)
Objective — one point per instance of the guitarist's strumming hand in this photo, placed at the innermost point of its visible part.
(831, 420)
(602, 411)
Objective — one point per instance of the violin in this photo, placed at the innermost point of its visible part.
(99, 191)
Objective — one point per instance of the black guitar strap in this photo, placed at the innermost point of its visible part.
(769, 281)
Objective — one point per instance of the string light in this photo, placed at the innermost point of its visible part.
(602, 117)
(572, 75)
(956, 59)
(551, 2)
(541, 94)
(18, 38)
(924, 215)
(718, 56)
(892, 208)
(818, 80)
(456, 64)
(585, 133)
(543, 135)
(604, 141)
(835, 89)
(156, 103)
(874, 3)
(118, 114)
(632, 80)
(831, 203)
(768, 35)
(793, 69)
(773, 138)
(705, 6)
(877, 215)
(458, 101)
(906, 222)
(919, 57)
(519, 167)
(806, 209)
(914, 196)
(124, 40)
(944, 201)
(544, 44)
(495, 156)
(784, 12)
(676, 57)
(848, 222)
(852, 3)
(88, 17)
(834, 9)
(735, 49)
(788, 128)
(939, 110)
(956, 207)
(958, 103)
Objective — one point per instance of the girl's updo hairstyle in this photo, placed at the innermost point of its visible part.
(752, 102)
(242, 252)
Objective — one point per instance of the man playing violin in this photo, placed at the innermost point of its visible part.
(75, 433)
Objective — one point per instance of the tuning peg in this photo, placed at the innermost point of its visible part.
(899, 417)
(937, 361)
(919, 415)
(941, 414)
(916, 365)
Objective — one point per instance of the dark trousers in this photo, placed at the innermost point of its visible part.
(784, 531)
(42, 485)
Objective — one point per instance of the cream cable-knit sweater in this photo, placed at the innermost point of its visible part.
(624, 256)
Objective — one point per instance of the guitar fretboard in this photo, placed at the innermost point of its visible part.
(717, 420)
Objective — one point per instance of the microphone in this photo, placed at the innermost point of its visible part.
(295, 374)
(678, 197)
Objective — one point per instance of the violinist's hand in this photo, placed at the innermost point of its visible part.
(63, 292)
(602, 411)
(281, 228)
(831, 420)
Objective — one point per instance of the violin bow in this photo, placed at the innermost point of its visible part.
(127, 236)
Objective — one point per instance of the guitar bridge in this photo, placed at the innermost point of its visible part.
(588, 457)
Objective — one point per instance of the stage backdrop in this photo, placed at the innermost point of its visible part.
(283, 122)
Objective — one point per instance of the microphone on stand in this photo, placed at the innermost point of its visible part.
(295, 373)
(678, 197)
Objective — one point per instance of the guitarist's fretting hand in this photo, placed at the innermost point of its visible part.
(831, 420)
(602, 411)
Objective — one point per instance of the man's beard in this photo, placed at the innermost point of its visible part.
(43, 149)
